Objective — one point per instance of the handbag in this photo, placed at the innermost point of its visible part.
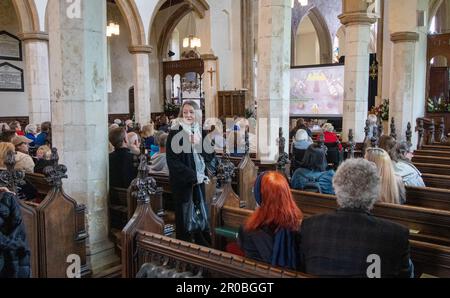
(195, 214)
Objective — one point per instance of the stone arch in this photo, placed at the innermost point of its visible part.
(323, 34)
(133, 20)
(433, 8)
(28, 16)
(198, 6)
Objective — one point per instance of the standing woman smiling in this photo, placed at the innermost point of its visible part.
(186, 158)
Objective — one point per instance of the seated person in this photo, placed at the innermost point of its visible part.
(302, 140)
(158, 161)
(338, 244)
(313, 174)
(14, 252)
(301, 124)
(30, 133)
(121, 169)
(403, 166)
(271, 234)
(24, 161)
(134, 144)
(43, 159)
(15, 126)
(392, 187)
(148, 136)
(44, 138)
(330, 136)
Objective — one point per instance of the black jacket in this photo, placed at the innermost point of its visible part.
(121, 169)
(182, 179)
(14, 250)
(339, 244)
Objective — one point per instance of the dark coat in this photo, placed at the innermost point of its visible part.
(14, 250)
(338, 245)
(182, 176)
(258, 245)
(121, 169)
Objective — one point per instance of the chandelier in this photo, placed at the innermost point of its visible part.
(112, 29)
(302, 3)
(191, 41)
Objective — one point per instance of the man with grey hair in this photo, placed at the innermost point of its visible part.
(351, 242)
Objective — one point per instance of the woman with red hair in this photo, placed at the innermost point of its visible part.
(271, 234)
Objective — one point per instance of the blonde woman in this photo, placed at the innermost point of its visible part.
(148, 136)
(43, 156)
(4, 149)
(392, 187)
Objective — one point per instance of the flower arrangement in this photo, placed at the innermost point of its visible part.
(438, 105)
(171, 109)
(382, 111)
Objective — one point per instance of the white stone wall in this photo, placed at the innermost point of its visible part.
(12, 103)
(121, 64)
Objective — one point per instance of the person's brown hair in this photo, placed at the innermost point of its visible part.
(117, 136)
(46, 126)
(4, 149)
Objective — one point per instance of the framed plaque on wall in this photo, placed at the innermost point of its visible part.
(11, 78)
(10, 47)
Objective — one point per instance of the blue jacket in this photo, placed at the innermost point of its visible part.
(323, 181)
(41, 139)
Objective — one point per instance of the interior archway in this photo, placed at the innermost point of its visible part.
(325, 45)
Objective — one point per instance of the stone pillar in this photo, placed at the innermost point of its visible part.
(141, 78)
(210, 85)
(248, 49)
(357, 24)
(38, 78)
(274, 44)
(79, 114)
(402, 80)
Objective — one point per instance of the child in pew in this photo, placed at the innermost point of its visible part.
(43, 155)
(271, 234)
(158, 161)
(392, 187)
(403, 167)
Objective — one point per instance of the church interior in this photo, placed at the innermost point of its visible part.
(224, 138)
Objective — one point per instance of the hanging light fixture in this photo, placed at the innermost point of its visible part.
(112, 29)
(302, 3)
(191, 41)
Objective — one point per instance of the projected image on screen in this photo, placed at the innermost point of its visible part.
(317, 91)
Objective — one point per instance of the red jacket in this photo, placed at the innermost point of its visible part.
(331, 137)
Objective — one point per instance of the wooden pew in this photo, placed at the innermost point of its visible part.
(39, 182)
(432, 259)
(429, 168)
(431, 159)
(56, 227)
(433, 198)
(209, 263)
(436, 181)
(437, 153)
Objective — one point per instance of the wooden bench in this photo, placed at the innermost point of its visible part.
(206, 262)
(438, 169)
(437, 153)
(431, 160)
(436, 181)
(55, 228)
(433, 198)
(428, 258)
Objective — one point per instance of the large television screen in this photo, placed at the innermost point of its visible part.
(317, 91)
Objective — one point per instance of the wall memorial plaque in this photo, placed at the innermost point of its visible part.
(11, 78)
(10, 47)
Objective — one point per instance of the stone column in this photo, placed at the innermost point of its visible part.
(357, 24)
(248, 49)
(141, 78)
(402, 80)
(274, 44)
(210, 85)
(37, 76)
(79, 114)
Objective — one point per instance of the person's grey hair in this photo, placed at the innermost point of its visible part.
(31, 128)
(357, 184)
(373, 119)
